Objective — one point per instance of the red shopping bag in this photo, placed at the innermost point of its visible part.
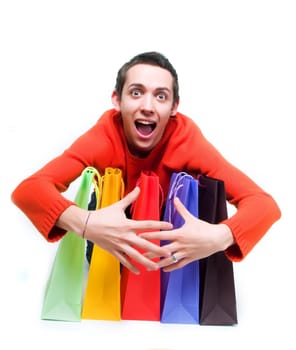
(140, 294)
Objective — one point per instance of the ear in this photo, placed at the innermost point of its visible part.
(175, 108)
(115, 100)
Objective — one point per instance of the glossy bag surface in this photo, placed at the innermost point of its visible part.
(180, 288)
(217, 284)
(140, 294)
(102, 293)
(64, 290)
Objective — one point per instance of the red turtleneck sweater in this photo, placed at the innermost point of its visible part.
(182, 148)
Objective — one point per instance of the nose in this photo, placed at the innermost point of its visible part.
(147, 106)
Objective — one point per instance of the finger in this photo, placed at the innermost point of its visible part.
(174, 259)
(182, 261)
(181, 209)
(150, 225)
(135, 255)
(159, 235)
(130, 256)
(149, 247)
(129, 198)
(123, 258)
(178, 265)
(170, 247)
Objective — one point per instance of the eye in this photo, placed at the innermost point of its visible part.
(161, 96)
(136, 92)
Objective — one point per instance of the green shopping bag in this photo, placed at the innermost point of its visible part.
(64, 291)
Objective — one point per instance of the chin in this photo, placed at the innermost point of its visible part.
(141, 152)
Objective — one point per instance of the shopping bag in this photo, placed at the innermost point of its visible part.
(92, 205)
(140, 294)
(180, 288)
(102, 293)
(217, 284)
(64, 290)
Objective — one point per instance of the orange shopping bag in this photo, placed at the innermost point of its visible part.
(102, 294)
(140, 294)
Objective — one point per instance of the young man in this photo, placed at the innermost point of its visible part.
(144, 131)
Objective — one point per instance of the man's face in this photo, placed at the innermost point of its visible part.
(146, 105)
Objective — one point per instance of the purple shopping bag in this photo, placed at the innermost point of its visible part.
(180, 288)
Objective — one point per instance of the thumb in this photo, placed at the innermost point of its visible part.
(181, 209)
(129, 198)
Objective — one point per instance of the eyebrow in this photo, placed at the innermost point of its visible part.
(138, 85)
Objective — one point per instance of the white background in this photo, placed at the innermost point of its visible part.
(236, 65)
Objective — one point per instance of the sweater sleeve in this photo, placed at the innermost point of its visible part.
(39, 198)
(40, 195)
(256, 210)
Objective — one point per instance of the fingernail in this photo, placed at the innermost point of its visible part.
(152, 268)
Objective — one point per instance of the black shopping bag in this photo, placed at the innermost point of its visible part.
(217, 285)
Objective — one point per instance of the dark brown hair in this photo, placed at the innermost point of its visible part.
(153, 58)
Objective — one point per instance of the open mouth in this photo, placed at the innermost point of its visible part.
(145, 127)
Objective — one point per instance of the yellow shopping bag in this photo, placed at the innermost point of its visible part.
(102, 294)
